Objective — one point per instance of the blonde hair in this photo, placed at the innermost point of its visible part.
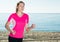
(18, 4)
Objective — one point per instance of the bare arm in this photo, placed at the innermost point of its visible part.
(29, 28)
(8, 28)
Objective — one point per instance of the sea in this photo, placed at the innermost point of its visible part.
(44, 22)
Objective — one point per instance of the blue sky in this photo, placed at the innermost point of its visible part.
(32, 6)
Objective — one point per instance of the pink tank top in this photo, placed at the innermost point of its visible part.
(20, 23)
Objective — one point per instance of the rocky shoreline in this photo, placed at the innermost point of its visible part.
(34, 36)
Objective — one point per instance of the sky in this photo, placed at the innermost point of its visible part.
(31, 6)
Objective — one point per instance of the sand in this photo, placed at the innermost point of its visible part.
(34, 36)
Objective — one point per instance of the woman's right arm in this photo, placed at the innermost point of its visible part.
(7, 26)
(8, 23)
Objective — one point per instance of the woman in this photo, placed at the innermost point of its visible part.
(20, 21)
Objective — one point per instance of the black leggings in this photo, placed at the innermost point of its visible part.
(11, 39)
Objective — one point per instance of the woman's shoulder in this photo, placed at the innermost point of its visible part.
(26, 14)
(12, 14)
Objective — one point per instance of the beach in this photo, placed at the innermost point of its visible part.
(34, 36)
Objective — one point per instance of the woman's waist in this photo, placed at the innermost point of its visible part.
(17, 34)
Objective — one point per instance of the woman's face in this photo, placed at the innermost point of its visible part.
(20, 7)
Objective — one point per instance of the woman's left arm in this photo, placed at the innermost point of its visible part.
(29, 28)
(27, 25)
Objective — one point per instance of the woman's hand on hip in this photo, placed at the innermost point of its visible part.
(13, 32)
